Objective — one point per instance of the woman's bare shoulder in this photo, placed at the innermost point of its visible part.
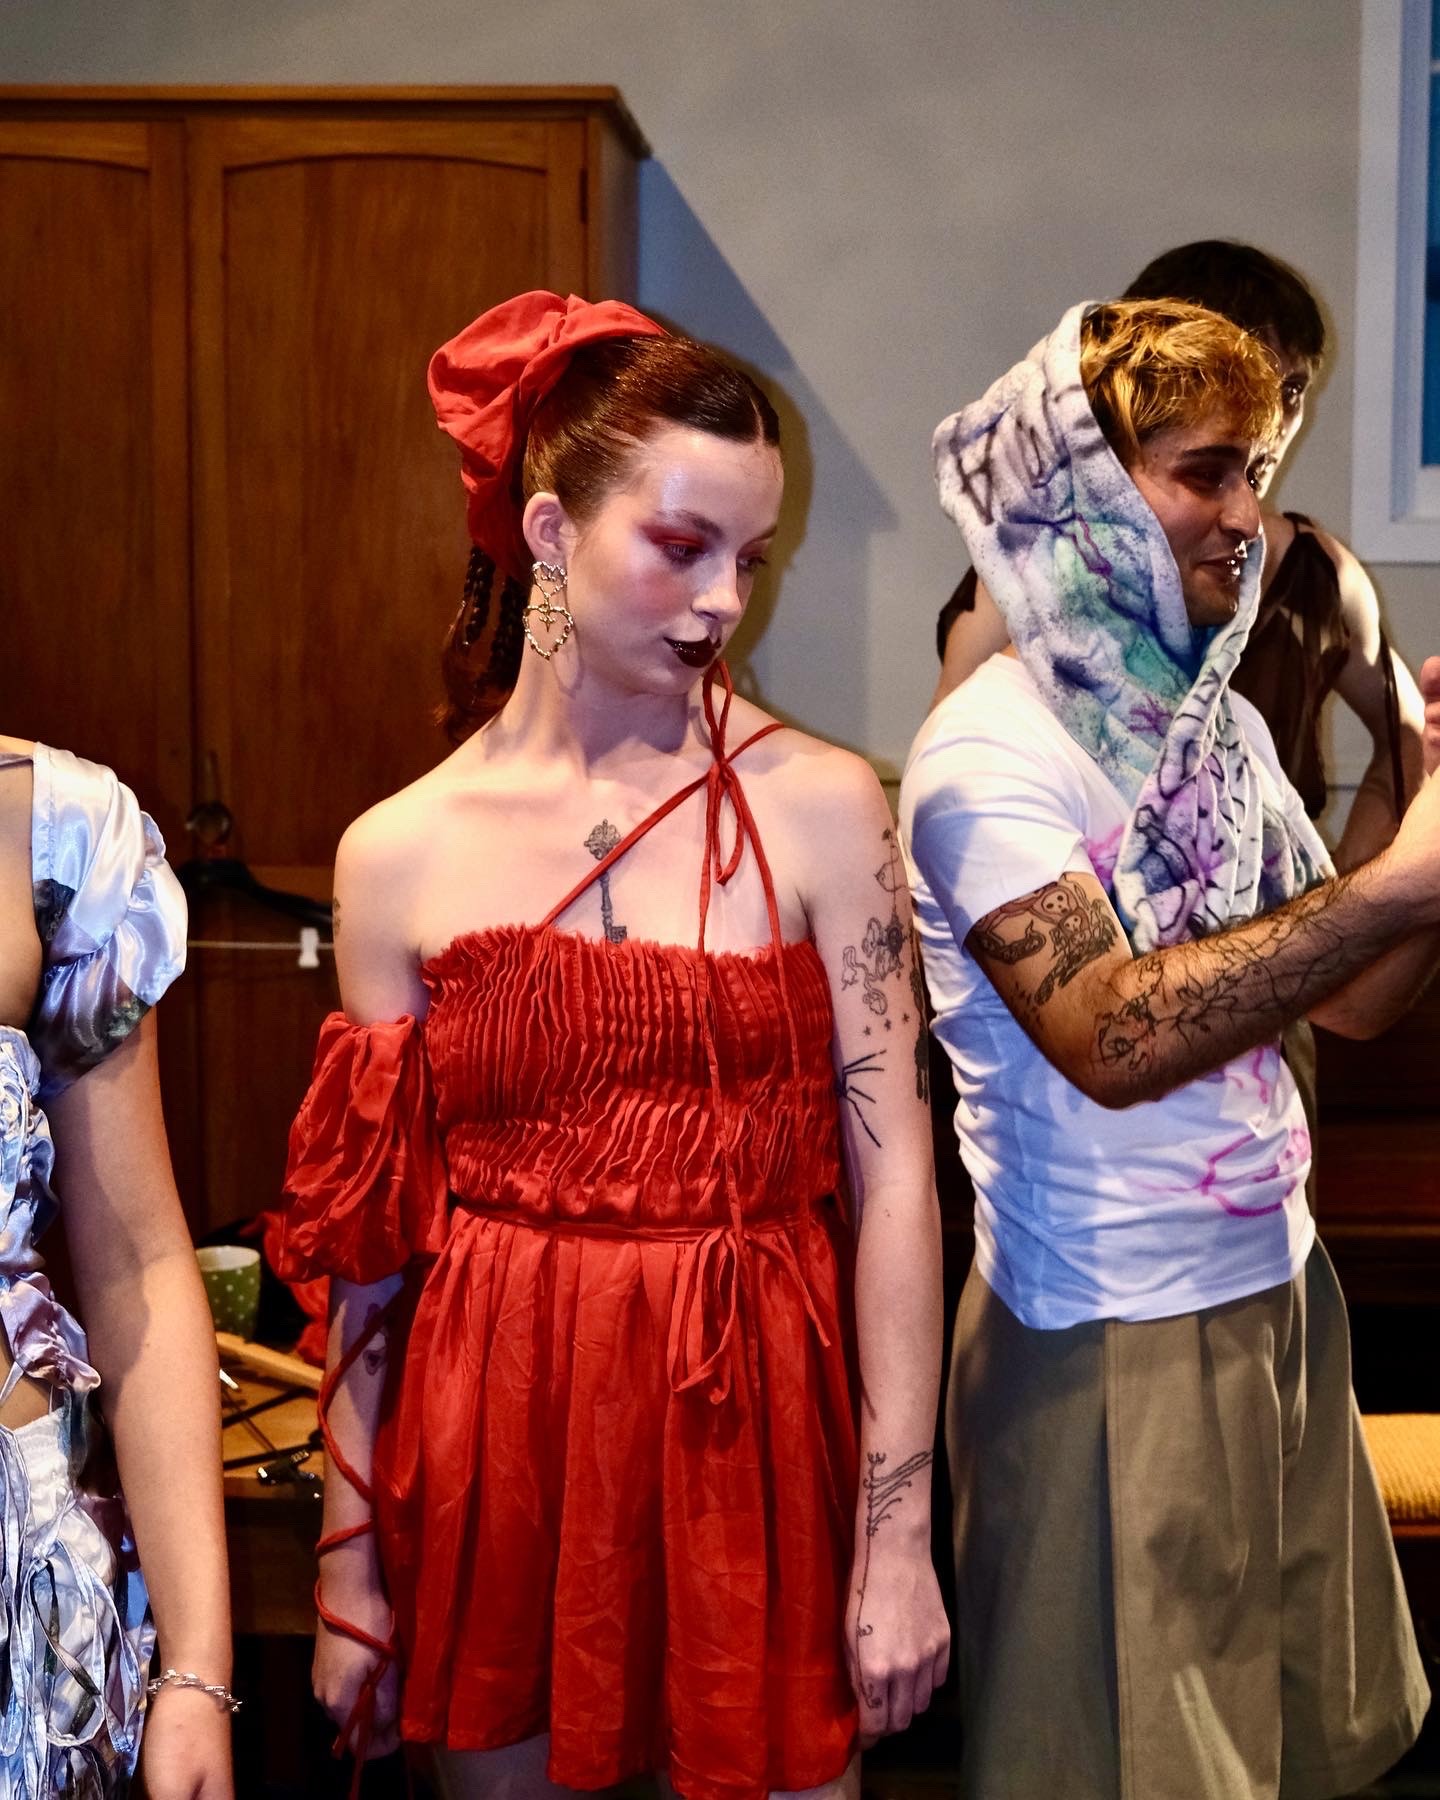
(823, 781)
(398, 828)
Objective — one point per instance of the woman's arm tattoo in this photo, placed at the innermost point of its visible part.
(377, 1352)
(879, 952)
(860, 1099)
(884, 1491)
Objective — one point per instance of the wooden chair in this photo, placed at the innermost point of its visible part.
(1405, 1448)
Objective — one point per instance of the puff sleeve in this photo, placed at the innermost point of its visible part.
(365, 1187)
(111, 914)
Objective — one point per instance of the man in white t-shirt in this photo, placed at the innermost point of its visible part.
(1175, 1576)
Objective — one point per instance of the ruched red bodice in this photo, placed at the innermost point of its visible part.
(615, 1476)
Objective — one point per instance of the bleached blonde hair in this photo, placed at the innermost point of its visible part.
(1149, 365)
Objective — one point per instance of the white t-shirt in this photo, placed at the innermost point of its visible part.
(1083, 1212)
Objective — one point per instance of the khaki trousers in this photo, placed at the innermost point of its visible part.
(1175, 1574)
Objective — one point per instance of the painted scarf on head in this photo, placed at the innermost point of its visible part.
(1080, 569)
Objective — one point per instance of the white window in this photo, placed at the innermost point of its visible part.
(1396, 488)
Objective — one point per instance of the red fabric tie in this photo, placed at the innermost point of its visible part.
(485, 385)
(354, 1735)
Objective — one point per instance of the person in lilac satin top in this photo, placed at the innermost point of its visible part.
(92, 932)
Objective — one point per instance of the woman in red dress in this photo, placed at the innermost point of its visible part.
(641, 1406)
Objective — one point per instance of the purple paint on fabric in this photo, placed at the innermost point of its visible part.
(1150, 717)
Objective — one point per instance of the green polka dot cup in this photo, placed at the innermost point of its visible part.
(232, 1286)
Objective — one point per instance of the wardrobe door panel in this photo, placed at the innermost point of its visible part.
(330, 259)
(93, 598)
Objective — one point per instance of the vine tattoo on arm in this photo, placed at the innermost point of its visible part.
(884, 1491)
(334, 920)
(1171, 1014)
(1225, 986)
(878, 954)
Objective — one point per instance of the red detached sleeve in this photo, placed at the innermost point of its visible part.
(365, 1188)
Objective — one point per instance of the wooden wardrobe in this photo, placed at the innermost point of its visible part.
(236, 536)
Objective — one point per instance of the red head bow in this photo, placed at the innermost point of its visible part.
(485, 385)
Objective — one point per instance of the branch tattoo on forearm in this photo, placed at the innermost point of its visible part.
(1259, 974)
(884, 1491)
(1269, 970)
(1194, 992)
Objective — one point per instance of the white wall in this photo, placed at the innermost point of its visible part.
(880, 206)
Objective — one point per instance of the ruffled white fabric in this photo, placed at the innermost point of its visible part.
(44, 1339)
(75, 1634)
(111, 911)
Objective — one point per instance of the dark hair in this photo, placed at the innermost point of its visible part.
(1255, 291)
(961, 601)
(613, 397)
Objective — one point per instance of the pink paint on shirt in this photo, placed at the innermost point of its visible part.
(1102, 854)
(1215, 1184)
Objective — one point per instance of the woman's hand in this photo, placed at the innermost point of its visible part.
(185, 1751)
(342, 1667)
(897, 1638)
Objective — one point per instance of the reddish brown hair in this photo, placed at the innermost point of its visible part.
(613, 397)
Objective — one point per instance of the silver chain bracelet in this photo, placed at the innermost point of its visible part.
(187, 1679)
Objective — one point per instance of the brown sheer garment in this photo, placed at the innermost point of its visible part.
(1297, 648)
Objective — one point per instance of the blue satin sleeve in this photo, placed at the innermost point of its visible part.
(111, 914)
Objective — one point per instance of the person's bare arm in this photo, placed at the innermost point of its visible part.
(1430, 695)
(897, 1638)
(974, 637)
(1124, 1028)
(379, 980)
(144, 1311)
(1372, 820)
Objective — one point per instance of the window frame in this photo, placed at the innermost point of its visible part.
(1395, 499)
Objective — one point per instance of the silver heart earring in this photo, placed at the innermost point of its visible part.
(550, 580)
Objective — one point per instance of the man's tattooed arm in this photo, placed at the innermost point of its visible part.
(1064, 923)
(1208, 1001)
(1126, 1028)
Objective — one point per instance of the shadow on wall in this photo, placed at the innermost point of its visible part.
(833, 505)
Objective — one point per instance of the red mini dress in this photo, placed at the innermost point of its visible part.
(615, 1474)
